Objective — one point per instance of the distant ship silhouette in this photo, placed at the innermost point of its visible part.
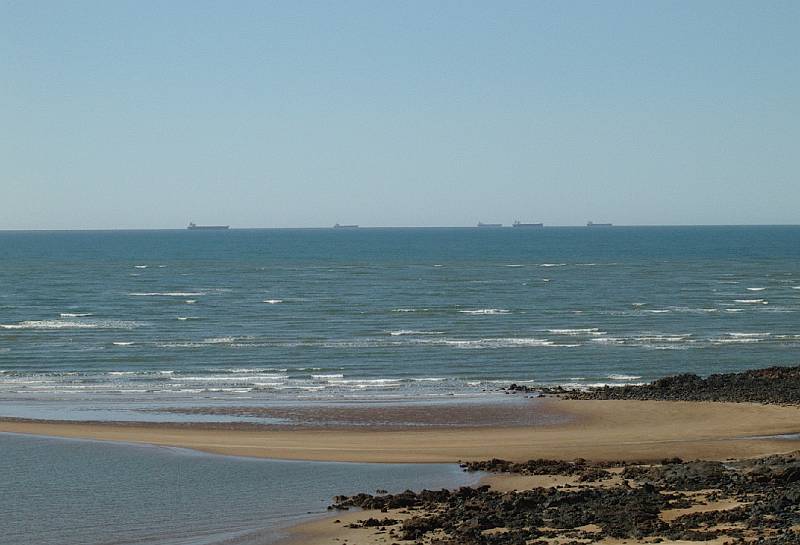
(194, 227)
(520, 224)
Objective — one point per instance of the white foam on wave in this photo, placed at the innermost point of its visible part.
(756, 289)
(623, 377)
(734, 310)
(401, 332)
(751, 301)
(327, 376)
(507, 342)
(659, 338)
(273, 301)
(140, 266)
(185, 318)
(796, 287)
(75, 314)
(166, 293)
(741, 338)
(122, 343)
(410, 310)
(236, 379)
(579, 331)
(66, 324)
(190, 301)
(552, 264)
(219, 340)
(608, 340)
(658, 311)
(515, 266)
(244, 370)
(485, 311)
(692, 310)
(367, 382)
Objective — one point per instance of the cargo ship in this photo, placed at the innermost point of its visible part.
(481, 224)
(593, 224)
(194, 227)
(340, 226)
(520, 224)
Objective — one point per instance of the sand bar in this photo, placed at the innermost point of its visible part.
(596, 430)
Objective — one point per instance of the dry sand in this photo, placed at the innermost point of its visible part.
(597, 430)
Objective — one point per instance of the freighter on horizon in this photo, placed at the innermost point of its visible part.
(194, 227)
(593, 224)
(341, 226)
(520, 224)
(481, 224)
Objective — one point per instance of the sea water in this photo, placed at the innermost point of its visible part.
(116, 325)
(69, 492)
(123, 318)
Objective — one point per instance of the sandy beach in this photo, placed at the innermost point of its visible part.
(595, 429)
(598, 430)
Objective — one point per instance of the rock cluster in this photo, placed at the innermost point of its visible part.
(762, 495)
(585, 471)
(777, 385)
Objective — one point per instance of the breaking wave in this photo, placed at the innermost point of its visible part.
(584, 331)
(66, 324)
(167, 294)
(486, 311)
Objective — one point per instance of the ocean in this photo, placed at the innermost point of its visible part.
(93, 323)
(73, 492)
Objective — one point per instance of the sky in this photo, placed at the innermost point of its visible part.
(146, 114)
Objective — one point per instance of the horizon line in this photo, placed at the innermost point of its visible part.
(366, 227)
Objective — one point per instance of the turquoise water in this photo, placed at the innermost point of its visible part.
(97, 325)
(114, 319)
(66, 492)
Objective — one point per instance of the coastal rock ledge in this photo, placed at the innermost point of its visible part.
(753, 501)
(773, 385)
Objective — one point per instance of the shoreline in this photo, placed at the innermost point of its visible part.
(598, 430)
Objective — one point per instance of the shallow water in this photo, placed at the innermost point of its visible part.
(123, 319)
(70, 492)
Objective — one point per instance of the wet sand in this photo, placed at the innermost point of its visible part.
(592, 429)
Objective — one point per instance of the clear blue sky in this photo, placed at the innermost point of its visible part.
(150, 114)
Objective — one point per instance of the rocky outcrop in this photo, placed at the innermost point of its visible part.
(776, 385)
(630, 507)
